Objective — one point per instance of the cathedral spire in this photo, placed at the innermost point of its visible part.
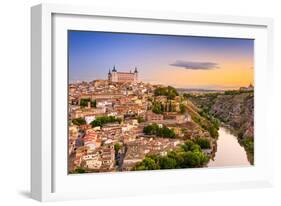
(136, 70)
(114, 70)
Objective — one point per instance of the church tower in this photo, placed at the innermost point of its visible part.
(109, 75)
(136, 75)
(114, 75)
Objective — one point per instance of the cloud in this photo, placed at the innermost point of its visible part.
(196, 65)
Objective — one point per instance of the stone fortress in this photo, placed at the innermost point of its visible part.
(115, 76)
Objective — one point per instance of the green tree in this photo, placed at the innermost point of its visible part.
(170, 106)
(94, 103)
(189, 146)
(203, 143)
(213, 131)
(157, 108)
(147, 164)
(79, 121)
(100, 121)
(117, 147)
(84, 102)
(166, 132)
(154, 129)
(140, 119)
(79, 170)
(169, 92)
(182, 108)
(191, 159)
(167, 163)
(188, 156)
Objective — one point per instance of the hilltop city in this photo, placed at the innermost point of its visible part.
(123, 124)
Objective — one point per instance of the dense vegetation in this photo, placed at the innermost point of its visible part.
(169, 92)
(182, 108)
(203, 143)
(159, 108)
(212, 129)
(78, 170)
(79, 121)
(154, 129)
(203, 101)
(233, 92)
(211, 118)
(189, 155)
(205, 121)
(248, 144)
(84, 102)
(234, 108)
(100, 121)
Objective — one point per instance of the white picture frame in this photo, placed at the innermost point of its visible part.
(49, 179)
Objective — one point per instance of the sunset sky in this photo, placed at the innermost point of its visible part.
(180, 61)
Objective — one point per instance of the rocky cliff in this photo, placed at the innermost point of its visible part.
(236, 111)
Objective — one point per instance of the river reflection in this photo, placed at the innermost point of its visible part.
(229, 151)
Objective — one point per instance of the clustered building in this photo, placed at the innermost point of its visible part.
(117, 145)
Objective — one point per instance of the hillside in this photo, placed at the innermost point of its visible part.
(235, 110)
(204, 120)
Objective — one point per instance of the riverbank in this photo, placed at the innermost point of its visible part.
(234, 111)
(229, 151)
(246, 142)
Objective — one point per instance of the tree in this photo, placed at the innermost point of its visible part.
(182, 108)
(188, 145)
(147, 164)
(203, 143)
(79, 170)
(189, 155)
(94, 103)
(162, 108)
(157, 108)
(140, 119)
(117, 147)
(170, 106)
(154, 129)
(213, 131)
(167, 163)
(177, 156)
(166, 132)
(172, 92)
(79, 121)
(169, 92)
(100, 121)
(84, 102)
(190, 159)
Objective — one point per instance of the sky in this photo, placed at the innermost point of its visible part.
(179, 61)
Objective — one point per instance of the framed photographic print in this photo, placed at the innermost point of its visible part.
(134, 102)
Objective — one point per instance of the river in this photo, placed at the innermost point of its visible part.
(229, 151)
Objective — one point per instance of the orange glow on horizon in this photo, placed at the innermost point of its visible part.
(228, 76)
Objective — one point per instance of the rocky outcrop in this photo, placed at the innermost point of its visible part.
(236, 111)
